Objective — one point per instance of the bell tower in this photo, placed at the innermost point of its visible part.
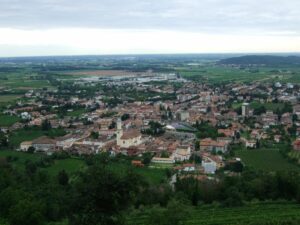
(119, 132)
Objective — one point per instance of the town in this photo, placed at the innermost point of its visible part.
(177, 122)
(193, 136)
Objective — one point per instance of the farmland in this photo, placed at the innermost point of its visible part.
(8, 98)
(217, 73)
(266, 160)
(100, 73)
(256, 213)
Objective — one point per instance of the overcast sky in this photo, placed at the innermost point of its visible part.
(64, 27)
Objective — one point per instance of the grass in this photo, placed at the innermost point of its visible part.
(76, 112)
(218, 73)
(256, 213)
(266, 160)
(8, 98)
(70, 165)
(29, 134)
(7, 120)
(20, 157)
(151, 175)
(268, 105)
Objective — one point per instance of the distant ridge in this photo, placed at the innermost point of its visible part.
(267, 60)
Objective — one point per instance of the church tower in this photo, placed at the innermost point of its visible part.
(119, 132)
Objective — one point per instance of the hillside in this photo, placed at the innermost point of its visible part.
(266, 60)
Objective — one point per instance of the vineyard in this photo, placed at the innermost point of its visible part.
(260, 213)
(294, 155)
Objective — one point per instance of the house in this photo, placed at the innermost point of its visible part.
(269, 118)
(296, 145)
(277, 138)
(183, 115)
(209, 165)
(137, 163)
(227, 132)
(286, 119)
(210, 145)
(182, 153)
(25, 145)
(44, 144)
(251, 144)
(66, 141)
(163, 160)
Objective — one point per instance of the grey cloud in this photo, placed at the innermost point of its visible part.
(192, 15)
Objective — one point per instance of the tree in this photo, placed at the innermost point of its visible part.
(3, 140)
(147, 158)
(31, 149)
(101, 194)
(94, 135)
(63, 178)
(125, 116)
(259, 110)
(46, 125)
(174, 214)
(164, 154)
(155, 129)
(30, 167)
(26, 212)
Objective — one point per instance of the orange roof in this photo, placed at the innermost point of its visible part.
(130, 134)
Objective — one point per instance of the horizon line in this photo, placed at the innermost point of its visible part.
(153, 54)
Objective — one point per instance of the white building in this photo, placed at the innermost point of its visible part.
(182, 153)
(245, 109)
(25, 145)
(128, 138)
(209, 166)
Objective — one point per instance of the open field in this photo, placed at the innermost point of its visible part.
(70, 165)
(266, 160)
(29, 134)
(260, 214)
(9, 98)
(101, 73)
(19, 159)
(7, 120)
(218, 73)
(151, 175)
(268, 105)
(76, 112)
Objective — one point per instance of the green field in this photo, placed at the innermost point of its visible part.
(70, 165)
(20, 157)
(19, 160)
(8, 98)
(7, 120)
(254, 214)
(151, 175)
(268, 105)
(266, 160)
(29, 134)
(218, 73)
(76, 112)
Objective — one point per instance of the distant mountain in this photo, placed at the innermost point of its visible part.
(267, 60)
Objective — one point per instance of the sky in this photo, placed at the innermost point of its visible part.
(74, 27)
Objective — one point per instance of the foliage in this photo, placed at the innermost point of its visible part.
(155, 129)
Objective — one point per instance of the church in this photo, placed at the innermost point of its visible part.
(128, 138)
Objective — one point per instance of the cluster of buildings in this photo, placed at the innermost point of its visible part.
(226, 108)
